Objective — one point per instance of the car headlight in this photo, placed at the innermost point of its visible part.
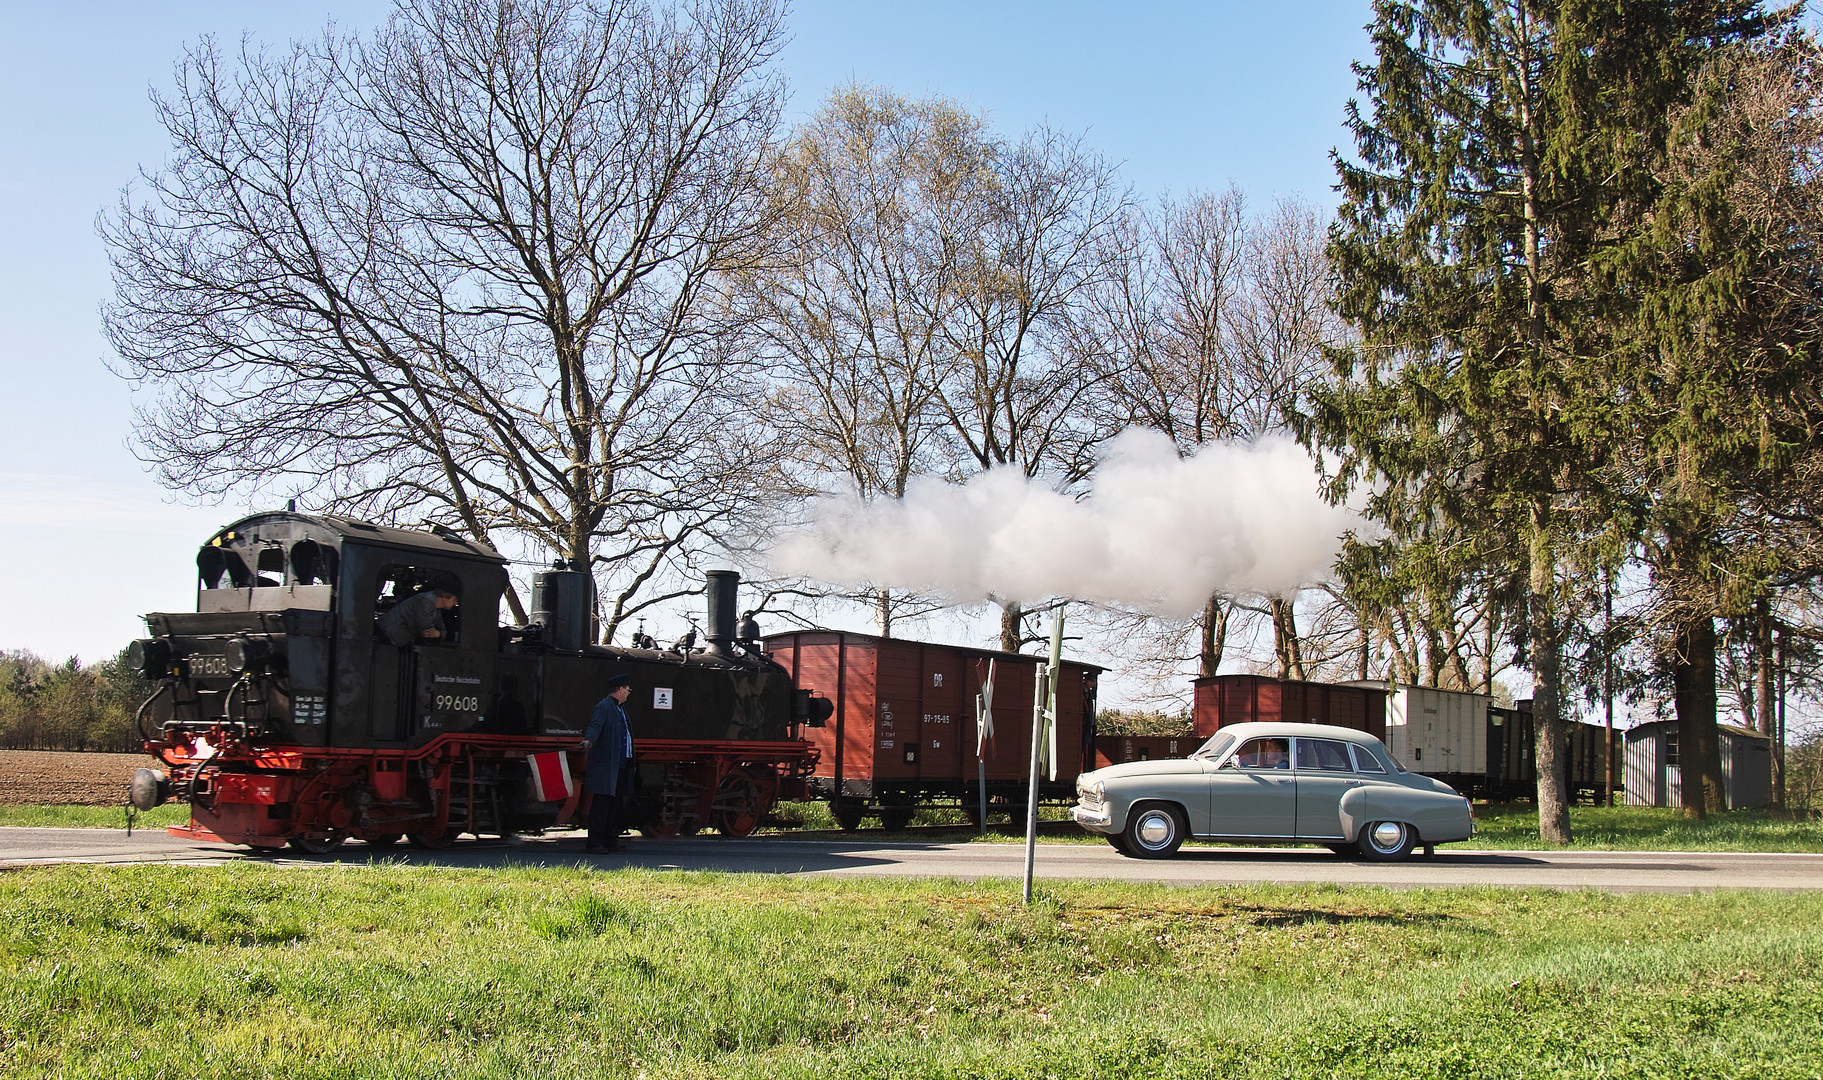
(1096, 791)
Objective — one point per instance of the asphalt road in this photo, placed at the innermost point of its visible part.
(860, 856)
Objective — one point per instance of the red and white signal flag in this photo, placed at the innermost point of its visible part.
(551, 779)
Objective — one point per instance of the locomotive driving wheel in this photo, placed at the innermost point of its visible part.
(742, 799)
(317, 843)
(677, 807)
(431, 841)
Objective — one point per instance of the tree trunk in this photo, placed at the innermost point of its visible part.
(1285, 638)
(1553, 806)
(883, 612)
(1214, 627)
(1778, 738)
(1762, 669)
(1699, 752)
(1012, 626)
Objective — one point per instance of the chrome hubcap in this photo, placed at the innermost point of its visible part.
(1154, 829)
(1388, 835)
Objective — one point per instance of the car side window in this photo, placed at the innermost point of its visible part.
(1365, 761)
(1315, 754)
(1264, 754)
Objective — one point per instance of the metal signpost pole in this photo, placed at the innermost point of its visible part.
(1044, 743)
(984, 731)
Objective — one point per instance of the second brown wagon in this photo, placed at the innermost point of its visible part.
(904, 732)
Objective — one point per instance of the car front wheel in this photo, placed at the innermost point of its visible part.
(1154, 831)
(1387, 841)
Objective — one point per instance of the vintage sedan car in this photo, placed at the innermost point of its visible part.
(1274, 783)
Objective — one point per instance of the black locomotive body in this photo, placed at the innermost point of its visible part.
(287, 715)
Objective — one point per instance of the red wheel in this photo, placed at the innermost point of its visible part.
(679, 805)
(737, 804)
(431, 841)
(318, 843)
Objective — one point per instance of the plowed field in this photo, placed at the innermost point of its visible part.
(55, 778)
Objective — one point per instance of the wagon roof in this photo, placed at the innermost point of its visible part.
(971, 650)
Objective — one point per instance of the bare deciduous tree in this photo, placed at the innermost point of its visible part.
(1011, 388)
(462, 271)
(1209, 325)
(872, 196)
(926, 278)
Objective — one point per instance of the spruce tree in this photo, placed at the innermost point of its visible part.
(1501, 148)
(1718, 307)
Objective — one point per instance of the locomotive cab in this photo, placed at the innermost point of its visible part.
(285, 643)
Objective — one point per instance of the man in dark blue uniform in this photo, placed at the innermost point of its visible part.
(609, 741)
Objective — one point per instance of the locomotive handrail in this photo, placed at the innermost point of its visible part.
(139, 718)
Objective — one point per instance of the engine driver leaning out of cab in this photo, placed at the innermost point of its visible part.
(417, 618)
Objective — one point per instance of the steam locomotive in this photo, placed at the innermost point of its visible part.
(284, 715)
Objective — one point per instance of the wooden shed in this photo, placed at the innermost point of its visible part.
(1655, 768)
(904, 731)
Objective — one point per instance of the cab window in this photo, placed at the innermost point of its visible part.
(1365, 761)
(270, 566)
(1264, 754)
(1323, 754)
(312, 563)
(219, 568)
(399, 584)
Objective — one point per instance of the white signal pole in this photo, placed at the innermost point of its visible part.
(984, 732)
(1044, 743)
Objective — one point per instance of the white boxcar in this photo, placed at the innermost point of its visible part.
(1441, 733)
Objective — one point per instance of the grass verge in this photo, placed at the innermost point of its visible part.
(91, 817)
(253, 971)
(1646, 828)
(1501, 826)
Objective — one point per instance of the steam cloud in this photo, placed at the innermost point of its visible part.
(1159, 531)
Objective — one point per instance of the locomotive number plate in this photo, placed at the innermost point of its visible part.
(209, 667)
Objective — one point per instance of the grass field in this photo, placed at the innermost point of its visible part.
(251, 971)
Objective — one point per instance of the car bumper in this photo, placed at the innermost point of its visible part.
(1089, 819)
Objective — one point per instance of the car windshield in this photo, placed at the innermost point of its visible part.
(1217, 745)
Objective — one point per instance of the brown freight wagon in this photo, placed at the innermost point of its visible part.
(1221, 700)
(1120, 749)
(1513, 755)
(903, 734)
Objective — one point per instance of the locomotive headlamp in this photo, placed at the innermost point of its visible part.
(243, 654)
(149, 788)
(150, 657)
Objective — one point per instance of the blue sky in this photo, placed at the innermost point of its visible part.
(1184, 96)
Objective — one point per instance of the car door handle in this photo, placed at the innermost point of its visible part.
(1278, 781)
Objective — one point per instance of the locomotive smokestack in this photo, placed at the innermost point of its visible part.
(721, 587)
